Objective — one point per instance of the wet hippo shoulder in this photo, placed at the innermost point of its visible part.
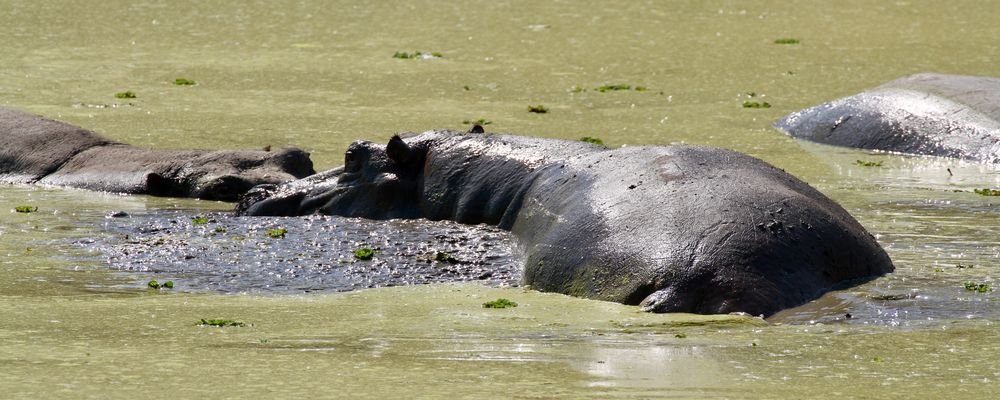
(923, 114)
(36, 150)
(671, 228)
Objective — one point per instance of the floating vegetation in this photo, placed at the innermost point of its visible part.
(786, 41)
(500, 303)
(153, 284)
(593, 140)
(445, 258)
(184, 82)
(978, 287)
(467, 88)
(577, 89)
(756, 104)
(613, 88)
(200, 220)
(276, 233)
(481, 121)
(125, 95)
(539, 109)
(417, 55)
(220, 322)
(618, 87)
(868, 163)
(987, 192)
(221, 229)
(25, 209)
(364, 253)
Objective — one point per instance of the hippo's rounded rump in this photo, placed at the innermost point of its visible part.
(689, 229)
(924, 114)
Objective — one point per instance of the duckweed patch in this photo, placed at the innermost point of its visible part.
(220, 323)
(593, 140)
(184, 82)
(445, 258)
(978, 287)
(125, 95)
(364, 253)
(539, 109)
(416, 55)
(756, 104)
(987, 192)
(613, 88)
(619, 87)
(153, 284)
(786, 41)
(864, 163)
(26, 209)
(276, 233)
(500, 303)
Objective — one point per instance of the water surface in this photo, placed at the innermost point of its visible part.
(319, 75)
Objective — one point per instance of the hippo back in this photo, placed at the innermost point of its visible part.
(926, 114)
(32, 147)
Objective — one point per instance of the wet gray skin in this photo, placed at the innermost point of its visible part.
(36, 150)
(673, 229)
(926, 114)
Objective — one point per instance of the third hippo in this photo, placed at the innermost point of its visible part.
(670, 228)
(37, 150)
(926, 114)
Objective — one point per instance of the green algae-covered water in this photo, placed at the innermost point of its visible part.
(319, 75)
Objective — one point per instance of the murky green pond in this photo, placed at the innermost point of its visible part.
(321, 74)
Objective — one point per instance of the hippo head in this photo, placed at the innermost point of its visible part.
(377, 182)
(227, 175)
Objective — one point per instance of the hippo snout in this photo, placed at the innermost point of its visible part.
(225, 188)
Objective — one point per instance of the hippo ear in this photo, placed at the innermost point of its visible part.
(398, 151)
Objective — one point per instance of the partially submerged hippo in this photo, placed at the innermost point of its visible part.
(673, 229)
(928, 114)
(38, 150)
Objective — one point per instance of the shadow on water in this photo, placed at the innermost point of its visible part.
(220, 253)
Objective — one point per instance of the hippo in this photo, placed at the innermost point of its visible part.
(36, 150)
(923, 114)
(669, 228)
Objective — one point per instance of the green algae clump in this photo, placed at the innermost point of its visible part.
(153, 284)
(500, 303)
(756, 104)
(592, 140)
(25, 209)
(987, 192)
(868, 163)
(184, 82)
(125, 95)
(364, 253)
(277, 233)
(978, 287)
(786, 41)
(220, 322)
(199, 220)
(539, 109)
